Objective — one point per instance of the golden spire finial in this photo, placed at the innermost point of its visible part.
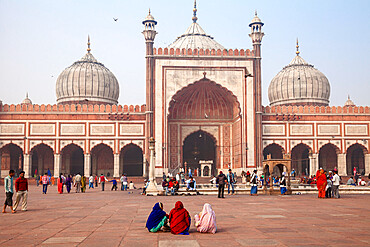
(88, 44)
(195, 18)
(297, 46)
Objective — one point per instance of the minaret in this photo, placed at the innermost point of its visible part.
(256, 36)
(149, 35)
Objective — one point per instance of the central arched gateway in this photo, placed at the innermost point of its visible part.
(199, 115)
(199, 146)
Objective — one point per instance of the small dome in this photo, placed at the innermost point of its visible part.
(149, 18)
(256, 20)
(299, 83)
(87, 81)
(349, 102)
(27, 100)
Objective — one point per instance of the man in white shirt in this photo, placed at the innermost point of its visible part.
(91, 181)
(78, 182)
(336, 183)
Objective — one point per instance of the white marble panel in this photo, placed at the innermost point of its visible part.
(102, 129)
(72, 129)
(11, 129)
(328, 129)
(273, 129)
(131, 129)
(301, 129)
(356, 129)
(42, 129)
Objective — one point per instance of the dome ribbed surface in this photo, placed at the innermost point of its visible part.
(85, 81)
(299, 83)
(195, 38)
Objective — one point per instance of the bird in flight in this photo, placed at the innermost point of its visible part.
(115, 19)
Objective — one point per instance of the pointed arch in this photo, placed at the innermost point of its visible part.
(102, 159)
(131, 160)
(300, 155)
(275, 150)
(355, 157)
(11, 159)
(72, 156)
(42, 159)
(328, 156)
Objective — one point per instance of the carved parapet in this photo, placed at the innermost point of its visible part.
(202, 52)
(75, 108)
(310, 109)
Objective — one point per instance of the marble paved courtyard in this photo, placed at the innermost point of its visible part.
(118, 219)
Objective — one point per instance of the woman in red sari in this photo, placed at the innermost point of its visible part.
(179, 219)
(321, 182)
(60, 184)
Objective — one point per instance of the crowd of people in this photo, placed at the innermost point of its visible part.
(178, 221)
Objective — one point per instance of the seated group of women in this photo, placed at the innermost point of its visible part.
(179, 220)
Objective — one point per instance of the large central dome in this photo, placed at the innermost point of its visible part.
(87, 81)
(195, 38)
(299, 83)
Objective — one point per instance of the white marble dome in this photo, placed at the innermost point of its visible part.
(299, 83)
(87, 81)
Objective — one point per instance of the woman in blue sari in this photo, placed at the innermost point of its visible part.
(157, 219)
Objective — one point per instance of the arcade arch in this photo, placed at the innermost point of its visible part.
(275, 150)
(301, 159)
(72, 159)
(102, 160)
(131, 160)
(42, 159)
(356, 158)
(198, 146)
(11, 159)
(328, 158)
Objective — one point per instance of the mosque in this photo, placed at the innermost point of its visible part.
(203, 110)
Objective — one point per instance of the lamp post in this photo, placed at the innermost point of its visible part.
(152, 187)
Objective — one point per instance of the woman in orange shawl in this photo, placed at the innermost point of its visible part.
(60, 184)
(321, 182)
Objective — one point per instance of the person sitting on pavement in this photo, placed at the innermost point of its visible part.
(158, 219)
(191, 184)
(351, 181)
(205, 221)
(179, 219)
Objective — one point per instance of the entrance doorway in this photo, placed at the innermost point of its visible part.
(199, 146)
(131, 158)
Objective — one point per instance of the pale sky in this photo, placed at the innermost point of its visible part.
(40, 38)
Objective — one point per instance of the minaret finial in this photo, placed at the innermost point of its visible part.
(149, 11)
(195, 18)
(88, 44)
(297, 46)
(27, 95)
(348, 97)
(255, 12)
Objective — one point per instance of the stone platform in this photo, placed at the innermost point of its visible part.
(116, 218)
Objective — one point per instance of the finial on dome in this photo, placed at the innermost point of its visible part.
(195, 18)
(88, 44)
(255, 12)
(149, 11)
(297, 46)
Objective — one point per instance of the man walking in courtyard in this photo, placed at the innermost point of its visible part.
(102, 181)
(230, 182)
(45, 182)
(91, 182)
(336, 183)
(9, 190)
(21, 187)
(221, 180)
(78, 182)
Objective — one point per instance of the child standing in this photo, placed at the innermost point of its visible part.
(114, 186)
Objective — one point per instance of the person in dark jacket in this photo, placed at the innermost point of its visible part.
(221, 180)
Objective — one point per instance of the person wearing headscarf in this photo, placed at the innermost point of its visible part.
(60, 184)
(69, 183)
(206, 220)
(157, 219)
(179, 219)
(282, 182)
(321, 182)
(83, 184)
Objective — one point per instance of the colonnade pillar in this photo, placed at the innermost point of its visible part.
(314, 164)
(367, 163)
(27, 165)
(87, 165)
(116, 166)
(57, 165)
(342, 168)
